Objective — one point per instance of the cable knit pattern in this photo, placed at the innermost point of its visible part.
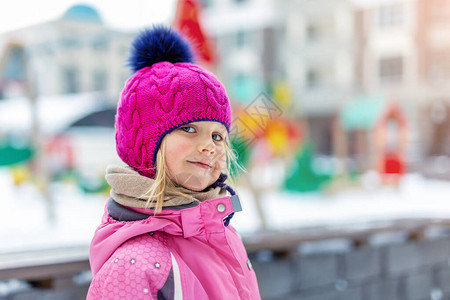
(160, 98)
(136, 270)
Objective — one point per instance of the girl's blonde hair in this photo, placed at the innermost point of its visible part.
(164, 184)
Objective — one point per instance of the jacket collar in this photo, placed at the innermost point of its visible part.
(120, 212)
(198, 215)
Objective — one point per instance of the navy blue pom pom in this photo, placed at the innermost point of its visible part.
(158, 44)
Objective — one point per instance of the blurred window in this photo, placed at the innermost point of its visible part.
(391, 69)
(70, 75)
(320, 132)
(100, 80)
(240, 38)
(311, 32)
(312, 79)
(43, 49)
(14, 66)
(390, 15)
(100, 44)
(69, 43)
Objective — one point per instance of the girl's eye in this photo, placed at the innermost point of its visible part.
(217, 137)
(188, 129)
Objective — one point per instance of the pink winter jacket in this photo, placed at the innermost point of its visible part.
(182, 253)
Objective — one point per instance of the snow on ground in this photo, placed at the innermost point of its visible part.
(24, 223)
(414, 197)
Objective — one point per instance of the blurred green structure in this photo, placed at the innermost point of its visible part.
(302, 176)
(12, 153)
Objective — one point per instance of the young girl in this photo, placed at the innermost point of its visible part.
(165, 233)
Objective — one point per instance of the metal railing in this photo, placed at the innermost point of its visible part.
(52, 268)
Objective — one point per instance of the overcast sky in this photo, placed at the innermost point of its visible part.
(122, 15)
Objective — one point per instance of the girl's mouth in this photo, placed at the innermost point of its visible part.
(200, 164)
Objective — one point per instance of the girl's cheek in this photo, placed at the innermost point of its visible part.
(220, 161)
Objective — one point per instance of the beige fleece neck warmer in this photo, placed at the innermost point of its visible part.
(129, 188)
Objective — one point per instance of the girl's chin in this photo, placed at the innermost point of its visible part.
(197, 186)
(193, 183)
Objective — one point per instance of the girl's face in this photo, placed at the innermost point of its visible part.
(195, 154)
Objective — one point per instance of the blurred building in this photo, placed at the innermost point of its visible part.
(329, 52)
(404, 53)
(433, 46)
(76, 53)
(388, 55)
(319, 51)
(307, 44)
(248, 35)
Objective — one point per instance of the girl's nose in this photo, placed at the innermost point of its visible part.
(206, 145)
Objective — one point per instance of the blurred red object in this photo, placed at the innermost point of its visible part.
(393, 167)
(187, 21)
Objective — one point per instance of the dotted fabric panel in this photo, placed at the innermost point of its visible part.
(136, 270)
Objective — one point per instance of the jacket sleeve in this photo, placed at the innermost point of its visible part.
(141, 268)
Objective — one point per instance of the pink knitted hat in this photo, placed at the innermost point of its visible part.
(165, 92)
